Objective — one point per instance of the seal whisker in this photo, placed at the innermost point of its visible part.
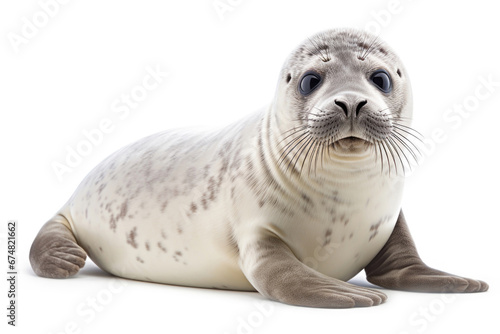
(321, 56)
(374, 142)
(399, 117)
(304, 119)
(409, 128)
(330, 145)
(319, 145)
(384, 109)
(405, 156)
(397, 126)
(307, 153)
(381, 156)
(397, 149)
(395, 131)
(387, 156)
(291, 134)
(392, 155)
(408, 148)
(404, 153)
(360, 50)
(317, 153)
(311, 113)
(369, 49)
(289, 149)
(299, 154)
(297, 131)
(323, 145)
(302, 127)
(321, 110)
(311, 157)
(309, 50)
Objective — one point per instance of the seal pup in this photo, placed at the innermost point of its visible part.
(292, 201)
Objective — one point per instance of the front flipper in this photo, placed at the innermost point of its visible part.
(275, 272)
(398, 266)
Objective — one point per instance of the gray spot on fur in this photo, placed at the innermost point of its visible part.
(114, 219)
(374, 229)
(131, 237)
(328, 235)
(163, 249)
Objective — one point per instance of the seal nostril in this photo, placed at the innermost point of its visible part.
(343, 106)
(360, 105)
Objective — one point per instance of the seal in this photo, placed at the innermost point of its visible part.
(292, 201)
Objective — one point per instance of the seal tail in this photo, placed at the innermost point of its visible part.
(55, 252)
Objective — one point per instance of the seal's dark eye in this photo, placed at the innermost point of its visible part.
(309, 82)
(382, 80)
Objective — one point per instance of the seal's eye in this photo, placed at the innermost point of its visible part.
(382, 80)
(309, 82)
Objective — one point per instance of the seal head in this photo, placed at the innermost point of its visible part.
(347, 93)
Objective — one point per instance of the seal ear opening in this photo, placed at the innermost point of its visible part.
(288, 78)
(398, 72)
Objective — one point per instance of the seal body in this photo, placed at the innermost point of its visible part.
(173, 207)
(291, 201)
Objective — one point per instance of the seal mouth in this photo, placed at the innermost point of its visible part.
(351, 144)
(351, 141)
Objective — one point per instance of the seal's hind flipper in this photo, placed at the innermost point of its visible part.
(55, 252)
(398, 266)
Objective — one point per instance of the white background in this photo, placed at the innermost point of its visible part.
(65, 79)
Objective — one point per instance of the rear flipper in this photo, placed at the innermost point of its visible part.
(55, 252)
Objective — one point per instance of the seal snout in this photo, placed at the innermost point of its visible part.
(347, 115)
(351, 107)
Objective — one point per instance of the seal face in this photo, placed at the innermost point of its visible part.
(292, 201)
(352, 93)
